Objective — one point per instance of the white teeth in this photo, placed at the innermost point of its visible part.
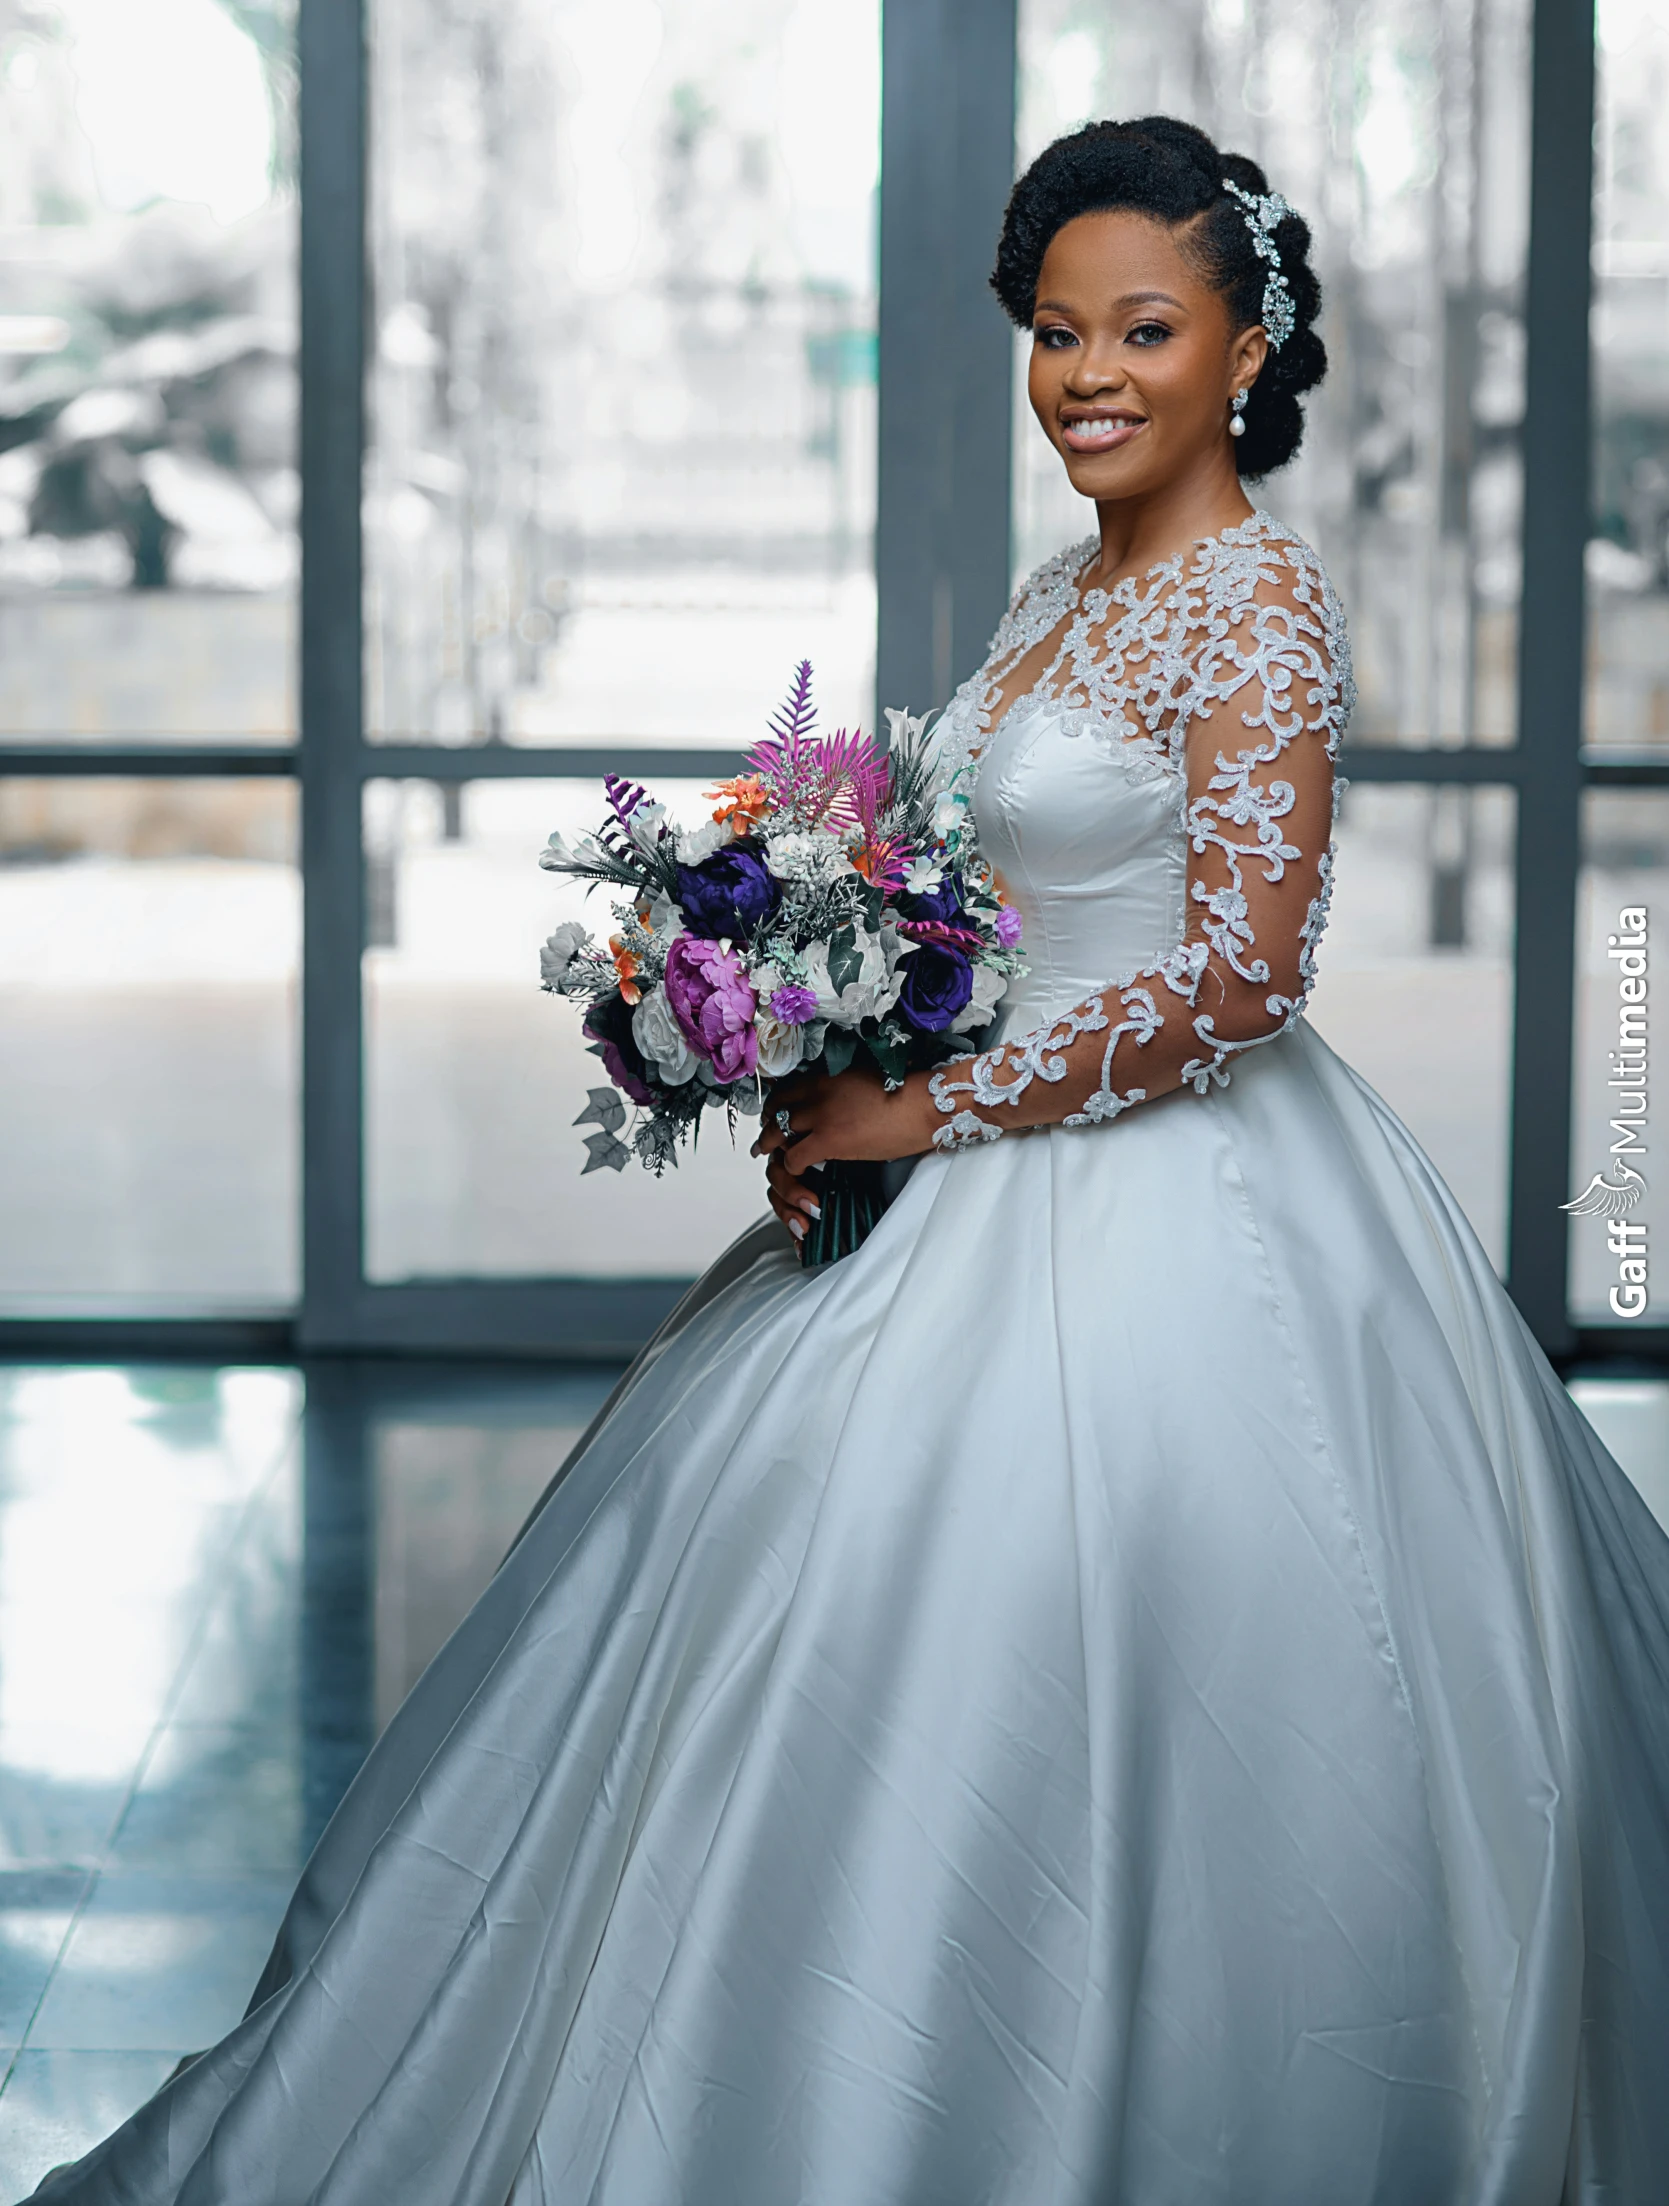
(1100, 429)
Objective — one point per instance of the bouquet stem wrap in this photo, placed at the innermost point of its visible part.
(853, 1197)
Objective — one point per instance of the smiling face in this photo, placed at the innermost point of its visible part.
(1135, 359)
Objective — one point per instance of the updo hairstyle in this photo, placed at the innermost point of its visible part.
(1173, 173)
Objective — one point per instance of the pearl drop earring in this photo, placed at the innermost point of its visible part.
(1237, 414)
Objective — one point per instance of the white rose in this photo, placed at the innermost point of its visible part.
(976, 1012)
(781, 1046)
(556, 956)
(874, 991)
(662, 1040)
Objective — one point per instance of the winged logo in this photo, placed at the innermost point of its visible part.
(1608, 1198)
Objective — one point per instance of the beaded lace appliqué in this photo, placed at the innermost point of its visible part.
(1136, 667)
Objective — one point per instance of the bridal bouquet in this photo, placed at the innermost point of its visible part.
(833, 903)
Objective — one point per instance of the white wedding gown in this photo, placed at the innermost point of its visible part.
(1138, 1688)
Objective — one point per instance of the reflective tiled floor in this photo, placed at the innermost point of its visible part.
(212, 1590)
(214, 1587)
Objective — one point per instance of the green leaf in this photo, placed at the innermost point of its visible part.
(845, 960)
(840, 1048)
(888, 1050)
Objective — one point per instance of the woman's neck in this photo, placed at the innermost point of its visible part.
(1142, 532)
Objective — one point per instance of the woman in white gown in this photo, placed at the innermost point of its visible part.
(1137, 1688)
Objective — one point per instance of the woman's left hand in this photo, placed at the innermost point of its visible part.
(850, 1116)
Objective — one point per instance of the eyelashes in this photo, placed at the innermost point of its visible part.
(1056, 337)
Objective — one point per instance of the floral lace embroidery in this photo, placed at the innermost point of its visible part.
(1192, 637)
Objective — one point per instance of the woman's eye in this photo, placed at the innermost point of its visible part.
(1055, 338)
(1148, 333)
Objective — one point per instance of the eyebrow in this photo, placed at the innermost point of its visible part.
(1130, 298)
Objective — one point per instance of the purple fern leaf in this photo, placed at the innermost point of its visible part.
(792, 721)
(624, 796)
(780, 760)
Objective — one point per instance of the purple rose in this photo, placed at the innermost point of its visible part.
(728, 894)
(1010, 926)
(943, 904)
(609, 1024)
(793, 1006)
(938, 981)
(714, 1004)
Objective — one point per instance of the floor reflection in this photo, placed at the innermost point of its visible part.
(214, 1586)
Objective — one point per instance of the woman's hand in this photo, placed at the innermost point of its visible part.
(848, 1116)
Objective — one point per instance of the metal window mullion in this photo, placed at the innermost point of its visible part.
(146, 761)
(945, 351)
(331, 51)
(1550, 657)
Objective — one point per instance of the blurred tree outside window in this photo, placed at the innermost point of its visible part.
(148, 488)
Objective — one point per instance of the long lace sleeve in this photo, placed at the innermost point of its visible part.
(1257, 728)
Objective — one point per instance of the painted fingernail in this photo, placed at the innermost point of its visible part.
(815, 1210)
(797, 1228)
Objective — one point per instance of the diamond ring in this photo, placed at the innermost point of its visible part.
(785, 1121)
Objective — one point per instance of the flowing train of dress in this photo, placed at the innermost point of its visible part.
(1138, 1688)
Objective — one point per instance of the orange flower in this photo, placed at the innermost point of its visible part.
(626, 965)
(742, 801)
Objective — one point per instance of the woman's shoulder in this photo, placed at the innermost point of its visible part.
(1265, 560)
(1262, 600)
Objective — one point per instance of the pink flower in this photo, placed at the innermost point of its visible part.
(714, 1004)
(1010, 926)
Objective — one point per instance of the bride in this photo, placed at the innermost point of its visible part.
(1137, 1688)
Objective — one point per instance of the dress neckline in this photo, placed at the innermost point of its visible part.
(1237, 532)
(1135, 593)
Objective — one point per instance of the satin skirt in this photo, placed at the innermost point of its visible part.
(1137, 1689)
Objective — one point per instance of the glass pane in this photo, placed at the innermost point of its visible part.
(149, 933)
(1415, 985)
(1624, 891)
(475, 1076)
(1628, 552)
(624, 402)
(454, 1483)
(148, 486)
(1399, 128)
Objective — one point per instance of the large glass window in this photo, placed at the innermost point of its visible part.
(622, 478)
(148, 488)
(1628, 551)
(1399, 128)
(149, 1091)
(1415, 986)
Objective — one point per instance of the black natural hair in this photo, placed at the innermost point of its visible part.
(1172, 172)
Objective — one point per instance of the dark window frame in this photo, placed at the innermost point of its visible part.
(942, 577)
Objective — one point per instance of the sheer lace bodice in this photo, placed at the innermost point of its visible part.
(1160, 805)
